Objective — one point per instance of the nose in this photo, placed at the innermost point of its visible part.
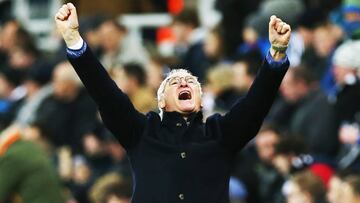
(183, 82)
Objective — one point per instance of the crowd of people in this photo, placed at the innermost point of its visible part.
(308, 149)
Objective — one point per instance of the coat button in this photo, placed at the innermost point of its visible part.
(181, 196)
(183, 155)
(178, 124)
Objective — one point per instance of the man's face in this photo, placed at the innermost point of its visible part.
(181, 32)
(340, 74)
(291, 89)
(265, 145)
(110, 37)
(64, 85)
(181, 94)
(242, 80)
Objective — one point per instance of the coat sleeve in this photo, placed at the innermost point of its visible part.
(244, 119)
(116, 109)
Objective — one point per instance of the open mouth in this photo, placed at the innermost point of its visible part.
(185, 95)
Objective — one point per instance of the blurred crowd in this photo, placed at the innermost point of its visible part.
(308, 149)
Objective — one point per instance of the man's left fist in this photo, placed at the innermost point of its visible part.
(279, 32)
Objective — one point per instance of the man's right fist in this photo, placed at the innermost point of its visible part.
(67, 23)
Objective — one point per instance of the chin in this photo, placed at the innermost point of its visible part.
(187, 110)
(187, 107)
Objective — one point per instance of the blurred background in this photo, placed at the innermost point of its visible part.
(307, 151)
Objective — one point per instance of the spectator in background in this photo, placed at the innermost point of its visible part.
(349, 156)
(220, 85)
(131, 78)
(156, 70)
(118, 154)
(118, 47)
(10, 96)
(24, 54)
(68, 112)
(312, 107)
(37, 89)
(117, 193)
(213, 45)
(233, 15)
(252, 41)
(335, 188)
(81, 179)
(96, 151)
(213, 49)
(318, 59)
(301, 41)
(189, 39)
(40, 135)
(8, 39)
(227, 82)
(286, 9)
(270, 181)
(346, 64)
(258, 173)
(351, 12)
(111, 188)
(305, 187)
(245, 69)
(347, 104)
(351, 189)
(91, 32)
(26, 173)
(290, 155)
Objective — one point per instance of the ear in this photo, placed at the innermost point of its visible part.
(161, 103)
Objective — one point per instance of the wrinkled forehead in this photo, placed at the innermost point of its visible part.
(181, 74)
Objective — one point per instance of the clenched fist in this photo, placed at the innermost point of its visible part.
(279, 37)
(67, 23)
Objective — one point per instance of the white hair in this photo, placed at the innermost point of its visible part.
(347, 55)
(161, 90)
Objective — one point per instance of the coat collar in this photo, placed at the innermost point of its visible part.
(173, 118)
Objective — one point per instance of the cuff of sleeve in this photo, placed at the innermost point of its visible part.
(78, 45)
(273, 63)
(76, 50)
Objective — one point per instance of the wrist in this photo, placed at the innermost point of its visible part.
(278, 52)
(72, 38)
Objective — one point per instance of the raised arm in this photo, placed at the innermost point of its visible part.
(243, 121)
(117, 112)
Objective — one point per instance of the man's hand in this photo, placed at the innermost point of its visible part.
(67, 23)
(279, 36)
